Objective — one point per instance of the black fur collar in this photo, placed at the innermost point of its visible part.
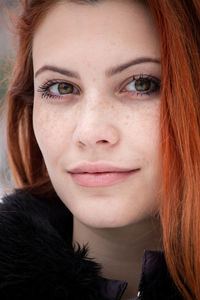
(37, 259)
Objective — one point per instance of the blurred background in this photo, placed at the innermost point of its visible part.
(6, 59)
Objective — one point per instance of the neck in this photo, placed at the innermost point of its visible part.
(120, 250)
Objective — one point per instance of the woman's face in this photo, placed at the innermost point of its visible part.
(87, 109)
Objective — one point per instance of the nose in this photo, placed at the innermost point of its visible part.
(96, 127)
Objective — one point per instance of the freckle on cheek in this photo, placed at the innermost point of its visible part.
(127, 120)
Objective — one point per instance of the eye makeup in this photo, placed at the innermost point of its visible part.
(137, 86)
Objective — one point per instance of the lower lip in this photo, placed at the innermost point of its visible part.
(100, 179)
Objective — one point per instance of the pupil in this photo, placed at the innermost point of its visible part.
(142, 85)
(65, 88)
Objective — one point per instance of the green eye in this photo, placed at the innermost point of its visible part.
(64, 88)
(53, 90)
(61, 88)
(143, 85)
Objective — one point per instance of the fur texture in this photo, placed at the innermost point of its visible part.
(37, 259)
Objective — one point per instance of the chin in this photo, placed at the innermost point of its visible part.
(107, 209)
(108, 219)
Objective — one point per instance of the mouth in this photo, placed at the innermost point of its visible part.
(101, 179)
(98, 167)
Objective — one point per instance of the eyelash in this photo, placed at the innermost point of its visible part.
(44, 88)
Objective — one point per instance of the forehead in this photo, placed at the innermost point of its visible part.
(71, 31)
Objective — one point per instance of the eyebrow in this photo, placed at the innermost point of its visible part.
(110, 72)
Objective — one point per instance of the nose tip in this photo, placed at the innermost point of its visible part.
(95, 136)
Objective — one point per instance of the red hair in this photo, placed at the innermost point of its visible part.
(178, 24)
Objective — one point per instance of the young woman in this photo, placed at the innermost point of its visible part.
(104, 144)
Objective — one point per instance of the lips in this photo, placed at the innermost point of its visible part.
(99, 174)
(97, 168)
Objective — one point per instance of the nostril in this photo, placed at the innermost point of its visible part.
(103, 141)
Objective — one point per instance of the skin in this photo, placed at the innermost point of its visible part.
(102, 122)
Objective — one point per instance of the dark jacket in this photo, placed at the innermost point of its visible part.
(37, 260)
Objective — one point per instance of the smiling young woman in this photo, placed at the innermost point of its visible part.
(103, 141)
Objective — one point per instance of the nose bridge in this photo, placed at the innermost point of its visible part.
(96, 123)
(93, 102)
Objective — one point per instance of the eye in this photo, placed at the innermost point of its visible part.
(143, 85)
(61, 88)
(56, 89)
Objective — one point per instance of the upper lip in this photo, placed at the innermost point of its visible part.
(97, 168)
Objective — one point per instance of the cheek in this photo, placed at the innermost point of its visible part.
(143, 129)
(144, 143)
(51, 131)
(150, 149)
